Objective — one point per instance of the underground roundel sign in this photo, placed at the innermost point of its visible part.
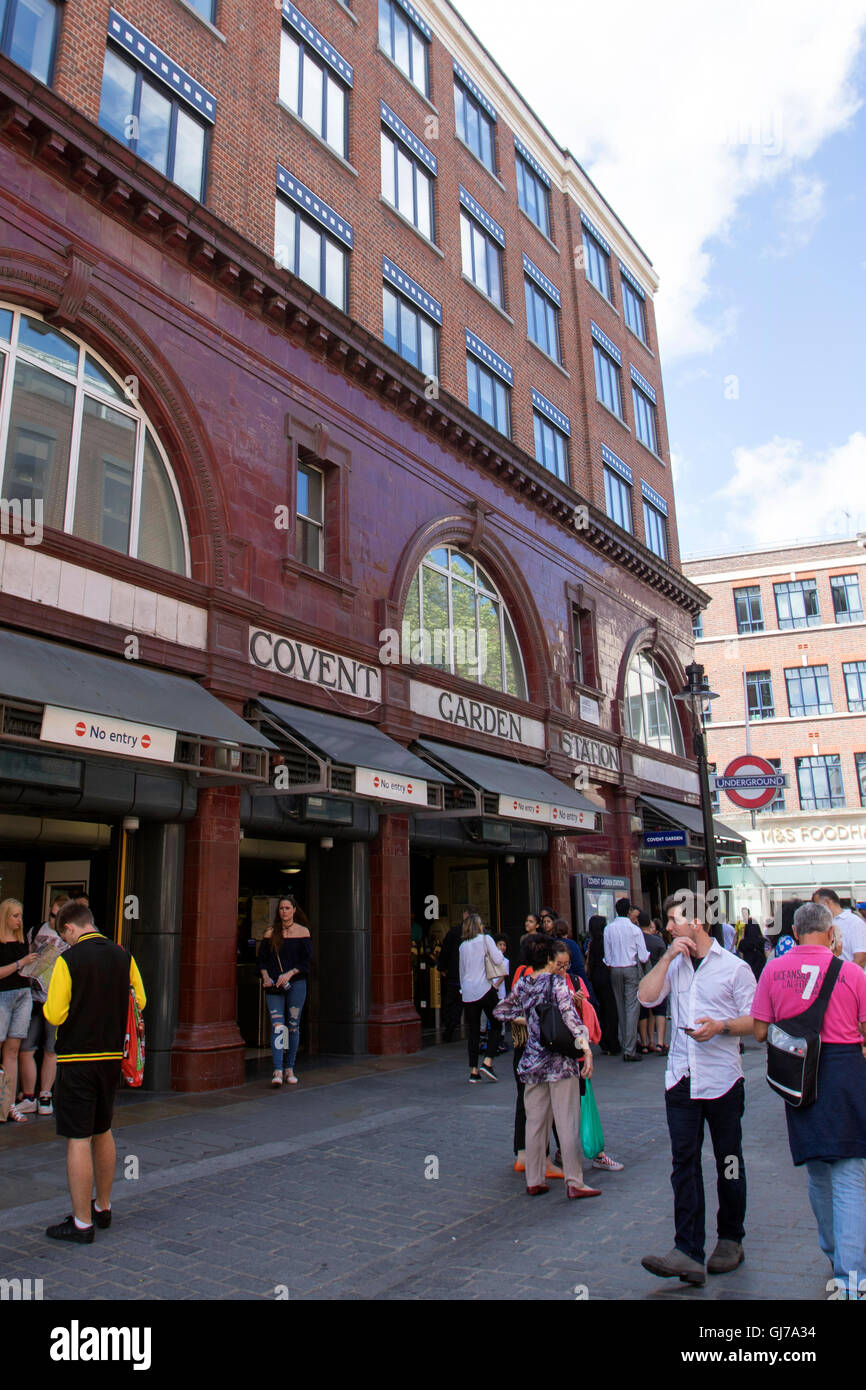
(750, 782)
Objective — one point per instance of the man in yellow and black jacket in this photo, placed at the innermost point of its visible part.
(88, 1000)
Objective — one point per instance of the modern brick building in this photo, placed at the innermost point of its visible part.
(337, 383)
(783, 641)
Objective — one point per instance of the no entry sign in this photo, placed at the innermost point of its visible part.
(750, 782)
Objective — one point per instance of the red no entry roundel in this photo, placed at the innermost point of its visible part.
(81, 728)
(145, 740)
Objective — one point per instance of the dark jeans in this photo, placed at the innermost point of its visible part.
(452, 1008)
(474, 1011)
(686, 1124)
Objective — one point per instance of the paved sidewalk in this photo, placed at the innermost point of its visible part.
(326, 1191)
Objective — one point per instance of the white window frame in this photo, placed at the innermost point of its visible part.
(84, 387)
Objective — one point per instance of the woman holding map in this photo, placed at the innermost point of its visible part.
(48, 946)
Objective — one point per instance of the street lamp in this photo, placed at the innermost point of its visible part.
(694, 694)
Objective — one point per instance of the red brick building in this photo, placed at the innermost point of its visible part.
(337, 384)
(783, 641)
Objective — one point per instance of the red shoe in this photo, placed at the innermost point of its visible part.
(536, 1191)
(573, 1192)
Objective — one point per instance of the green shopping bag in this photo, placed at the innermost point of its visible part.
(591, 1132)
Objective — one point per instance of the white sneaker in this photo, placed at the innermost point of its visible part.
(45, 1106)
(26, 1107)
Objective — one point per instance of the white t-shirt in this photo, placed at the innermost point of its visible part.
(853, 930)
(474, 983)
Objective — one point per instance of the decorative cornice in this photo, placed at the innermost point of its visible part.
(35, 121)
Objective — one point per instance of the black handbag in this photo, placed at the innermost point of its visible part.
(794, 1048)
(554, 1031)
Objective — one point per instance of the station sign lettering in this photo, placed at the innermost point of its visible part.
(593, 751)
(467, 713)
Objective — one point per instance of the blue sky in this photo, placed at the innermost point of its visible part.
(733, 145)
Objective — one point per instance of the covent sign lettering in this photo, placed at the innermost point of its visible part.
(303, 662)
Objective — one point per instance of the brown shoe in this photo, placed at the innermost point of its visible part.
(676, 1265)
(726, 1256)
(573, 1192)
(536, 1191)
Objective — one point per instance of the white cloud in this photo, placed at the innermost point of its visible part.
(780, 491)
(801, 211)
(679, 111)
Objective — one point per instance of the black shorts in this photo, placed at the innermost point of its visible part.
(84, 1098)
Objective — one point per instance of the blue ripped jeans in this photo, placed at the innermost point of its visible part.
(285, 1010)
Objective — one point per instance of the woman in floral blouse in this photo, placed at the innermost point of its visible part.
(552, 1080)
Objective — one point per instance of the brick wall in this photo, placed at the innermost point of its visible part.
(239, 62)
(726, 654)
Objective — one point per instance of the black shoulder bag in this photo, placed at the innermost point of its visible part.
(554, 1031)
(794, 1048)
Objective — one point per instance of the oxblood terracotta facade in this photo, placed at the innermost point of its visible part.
(239, 366)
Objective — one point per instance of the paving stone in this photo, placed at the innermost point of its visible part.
(354, 1217)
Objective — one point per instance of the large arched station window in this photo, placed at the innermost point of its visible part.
(455, 619)
(73, 435)
(651, 716)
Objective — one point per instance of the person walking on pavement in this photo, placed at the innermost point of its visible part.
(624, 952)
(851, 923)
(480, 993)
(829, 1136)
(652, 1021)
(284, 960)
(711, 994)
(448, 965)
(519, 1039)
(552, 1080)
(599, 975)
(88, 1002)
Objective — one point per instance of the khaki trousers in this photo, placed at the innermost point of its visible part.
(545, 1102)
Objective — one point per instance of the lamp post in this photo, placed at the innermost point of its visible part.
(694, 694)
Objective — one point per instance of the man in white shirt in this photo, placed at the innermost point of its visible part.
(711, 994)
(851, 925)
(624, 952)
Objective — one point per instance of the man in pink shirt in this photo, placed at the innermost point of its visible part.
(830, 1135)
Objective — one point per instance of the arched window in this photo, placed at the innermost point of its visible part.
(73, 437)
(455, 619)
(650, 713)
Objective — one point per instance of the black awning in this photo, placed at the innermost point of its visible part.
(690, 818)
(349, 742)
(505, 777)
(49, 673)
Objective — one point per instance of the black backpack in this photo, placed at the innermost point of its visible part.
(553, 1029)
(794, 1048)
